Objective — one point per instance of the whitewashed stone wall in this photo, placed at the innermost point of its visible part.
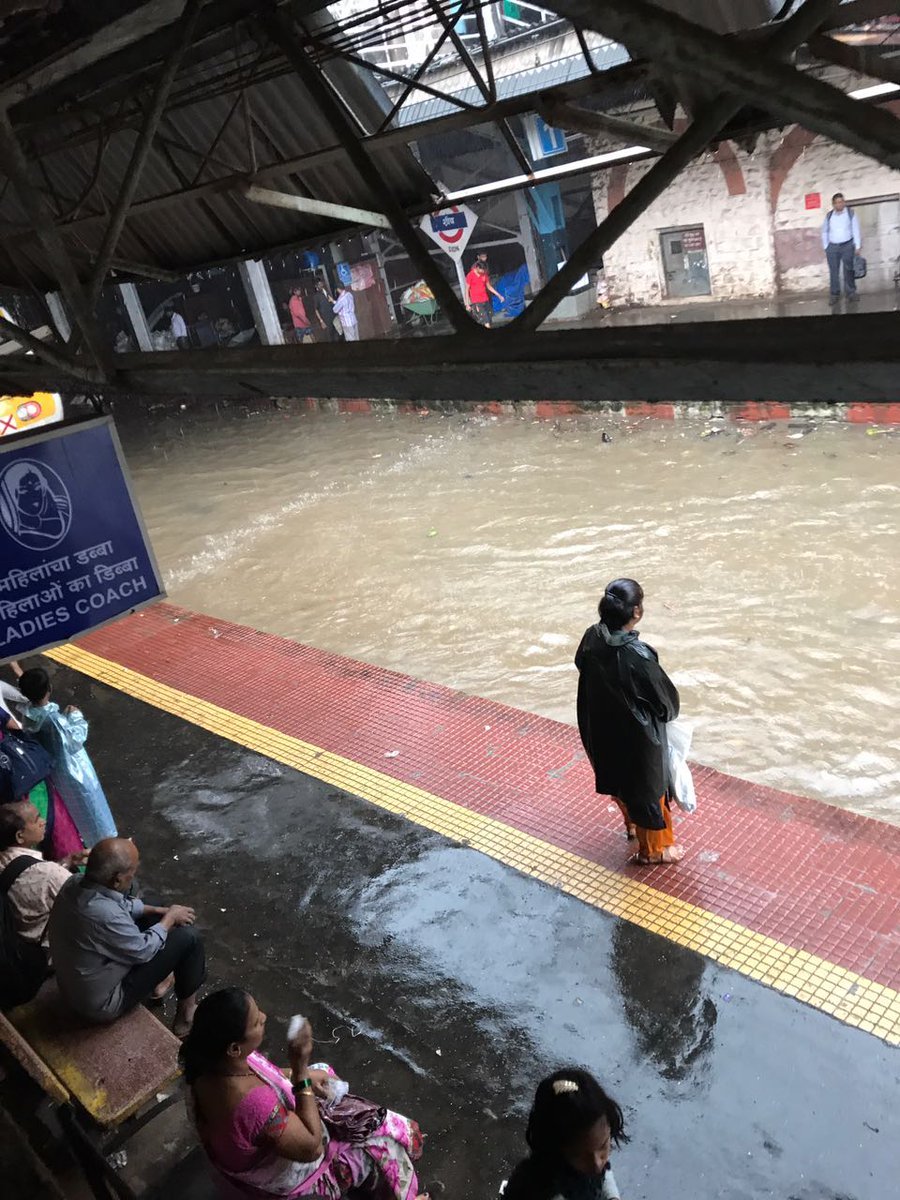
(738, 231)
(752, 251)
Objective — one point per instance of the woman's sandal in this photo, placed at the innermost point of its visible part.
(667, 858)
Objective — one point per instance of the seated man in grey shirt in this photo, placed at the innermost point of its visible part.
(111, 952)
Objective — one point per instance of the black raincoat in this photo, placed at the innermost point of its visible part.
(625, 699)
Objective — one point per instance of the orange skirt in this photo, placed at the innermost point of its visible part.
(651, 842)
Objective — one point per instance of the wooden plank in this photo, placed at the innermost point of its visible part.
(111, 1071)
(31, 1062)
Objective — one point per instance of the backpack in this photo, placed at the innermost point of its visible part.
(24, 965)
(23, 763)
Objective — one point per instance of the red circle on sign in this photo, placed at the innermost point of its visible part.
(455, 235)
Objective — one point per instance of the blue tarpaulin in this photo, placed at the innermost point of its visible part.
(512, 288)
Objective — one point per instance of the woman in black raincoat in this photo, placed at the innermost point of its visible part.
(625, 699)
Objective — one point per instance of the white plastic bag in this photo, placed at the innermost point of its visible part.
(680, 736)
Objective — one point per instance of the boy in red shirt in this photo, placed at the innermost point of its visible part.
(299, 319)
(478, 284)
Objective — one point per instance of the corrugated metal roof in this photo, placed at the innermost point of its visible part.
(221, 223)
(520, 83)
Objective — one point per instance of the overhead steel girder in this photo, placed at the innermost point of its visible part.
(143, 148)
(824, 359)
(584, 120)
(350, 137)
(670, 41)
(865, 60)
(702, 130)
(16, 166)
(49, 353)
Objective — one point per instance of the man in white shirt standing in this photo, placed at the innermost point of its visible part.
(345, 310)
(179, 330)
(841, 241)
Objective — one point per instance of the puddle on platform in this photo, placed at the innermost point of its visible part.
(472, 551)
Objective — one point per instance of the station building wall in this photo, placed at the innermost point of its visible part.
(762, 232)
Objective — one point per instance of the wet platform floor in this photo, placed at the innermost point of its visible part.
(445, 984)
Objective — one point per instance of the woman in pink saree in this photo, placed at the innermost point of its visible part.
(267, 1135)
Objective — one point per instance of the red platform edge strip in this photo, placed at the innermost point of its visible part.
(813, 876)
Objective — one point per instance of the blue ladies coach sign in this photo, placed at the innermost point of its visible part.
(73, 551)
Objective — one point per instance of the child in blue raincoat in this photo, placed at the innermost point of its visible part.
(63, 735)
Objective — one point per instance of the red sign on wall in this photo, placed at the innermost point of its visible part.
(813, 199)
(693, 239)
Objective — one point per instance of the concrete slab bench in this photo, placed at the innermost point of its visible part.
(103, 1082)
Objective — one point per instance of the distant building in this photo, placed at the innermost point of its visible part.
(403, 38)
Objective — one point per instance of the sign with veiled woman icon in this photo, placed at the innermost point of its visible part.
(35, 509)
(74, 553)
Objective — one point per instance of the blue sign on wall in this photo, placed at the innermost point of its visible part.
(449, 221)
(73, 551)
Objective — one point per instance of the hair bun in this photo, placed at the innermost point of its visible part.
(564, 1087)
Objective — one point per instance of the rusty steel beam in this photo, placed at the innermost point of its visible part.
(109, 40)
(675, 43)
(865, 60)
(282, 34)
(649, 187)
(49, 353)
(583, 120)
(319, 208)
(846, 359)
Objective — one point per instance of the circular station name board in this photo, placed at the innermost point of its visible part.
(450, 228)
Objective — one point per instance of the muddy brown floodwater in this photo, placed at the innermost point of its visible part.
(472, 551)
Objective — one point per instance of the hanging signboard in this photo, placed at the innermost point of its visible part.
(24, 413)
(450, 228)
(73, 550)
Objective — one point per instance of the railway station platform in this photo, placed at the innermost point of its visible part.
(429, 876)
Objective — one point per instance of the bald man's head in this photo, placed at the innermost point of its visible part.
(113, 863)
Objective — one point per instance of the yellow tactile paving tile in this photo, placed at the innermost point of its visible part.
(849, 997)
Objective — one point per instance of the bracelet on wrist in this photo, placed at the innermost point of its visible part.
(303, 1086)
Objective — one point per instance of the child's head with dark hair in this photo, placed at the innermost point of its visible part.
(34, 684)
(573, 1120)
(621, 603)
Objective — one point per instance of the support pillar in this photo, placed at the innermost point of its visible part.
(262, 302)
(375, 247)
(136, 316)
(532, 257)
(58, 315)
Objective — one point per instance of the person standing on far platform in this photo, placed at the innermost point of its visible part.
(324, 313)
(625, 700)
(179, 331)
(479, 291)
(841, 242)
(299, 319)
(345, 309)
